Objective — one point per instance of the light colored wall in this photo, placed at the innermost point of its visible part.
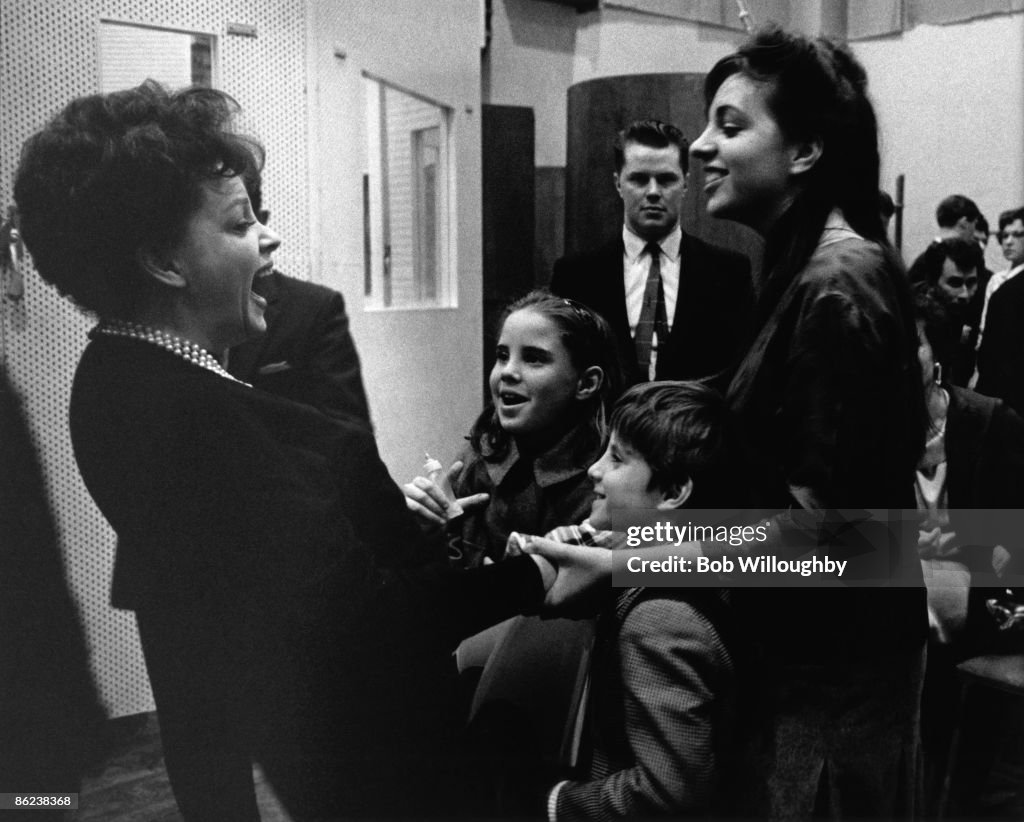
(951, 118)
(530, 63)
(422, 367)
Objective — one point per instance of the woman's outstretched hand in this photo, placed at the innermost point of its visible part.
(584, 573)
(429, 502)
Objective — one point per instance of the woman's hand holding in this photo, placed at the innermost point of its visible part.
(428, 500)
(583, 574)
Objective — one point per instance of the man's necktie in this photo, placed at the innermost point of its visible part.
(652, 328)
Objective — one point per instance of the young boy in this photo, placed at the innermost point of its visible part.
(662, 704)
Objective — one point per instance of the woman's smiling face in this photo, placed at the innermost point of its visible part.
(747, 161)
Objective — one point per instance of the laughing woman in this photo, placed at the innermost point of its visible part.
(829, 416)
(283, 593)
(828, 406)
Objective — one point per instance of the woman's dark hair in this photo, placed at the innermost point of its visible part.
(589, 341)
(817, 90)
(115, 174)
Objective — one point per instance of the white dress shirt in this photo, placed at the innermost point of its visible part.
(636, 266)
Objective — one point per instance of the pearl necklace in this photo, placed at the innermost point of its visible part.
(186, 350)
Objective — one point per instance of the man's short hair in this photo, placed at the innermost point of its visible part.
(654, 134)
(678, 429)
(982, 224)
(965, 254)
(1010, 216)
(953, 208)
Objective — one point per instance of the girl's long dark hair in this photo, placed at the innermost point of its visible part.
(589, 341)
(818, 90)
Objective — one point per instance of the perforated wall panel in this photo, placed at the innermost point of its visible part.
(49, 54)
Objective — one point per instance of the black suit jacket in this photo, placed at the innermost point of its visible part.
(713, 310)
(307, 354)
(1001, 357)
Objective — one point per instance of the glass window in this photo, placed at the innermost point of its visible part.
(406, 200)
(130, 54)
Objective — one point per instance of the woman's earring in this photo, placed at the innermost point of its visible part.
(937, 373)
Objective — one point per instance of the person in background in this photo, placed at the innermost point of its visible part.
(662, 716)
(957, 216)
(307, 354)
(679, 307)
(973, 459)
(283, 594)
(949, 271)
(1001, 353)
(1011, 240)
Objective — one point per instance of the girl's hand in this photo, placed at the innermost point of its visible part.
(428, 500)
(584, 573)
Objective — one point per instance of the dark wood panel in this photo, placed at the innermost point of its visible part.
(509, 195)
(597, 110)
(550, 221)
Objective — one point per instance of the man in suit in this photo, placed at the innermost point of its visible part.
(1001, 355)
(307, 354)
(679, 307)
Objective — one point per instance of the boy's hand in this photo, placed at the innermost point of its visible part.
(428, 500)
(584, 573)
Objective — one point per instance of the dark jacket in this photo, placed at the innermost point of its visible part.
(713, 309)
(283, 592)
(307, 354)
(1001, 357)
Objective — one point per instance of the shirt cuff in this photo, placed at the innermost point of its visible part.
(553, 801)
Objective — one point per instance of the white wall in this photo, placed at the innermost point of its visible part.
(422, 367)
(949, 100)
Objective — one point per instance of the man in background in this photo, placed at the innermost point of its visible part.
(680, 308)
(957, 217)
(307, 354)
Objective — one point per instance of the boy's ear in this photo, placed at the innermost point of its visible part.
(589, 382)
(161, 267)
(675, 496)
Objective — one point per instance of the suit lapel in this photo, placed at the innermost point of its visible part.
(617, 316)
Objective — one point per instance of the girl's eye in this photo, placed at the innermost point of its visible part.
(730, 130)
(245, 225)
(501, 354)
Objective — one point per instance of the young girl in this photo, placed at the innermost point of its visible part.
(525, 468)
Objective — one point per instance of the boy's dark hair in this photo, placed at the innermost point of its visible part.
(953, 208)
(679, 429)
(653, 134)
